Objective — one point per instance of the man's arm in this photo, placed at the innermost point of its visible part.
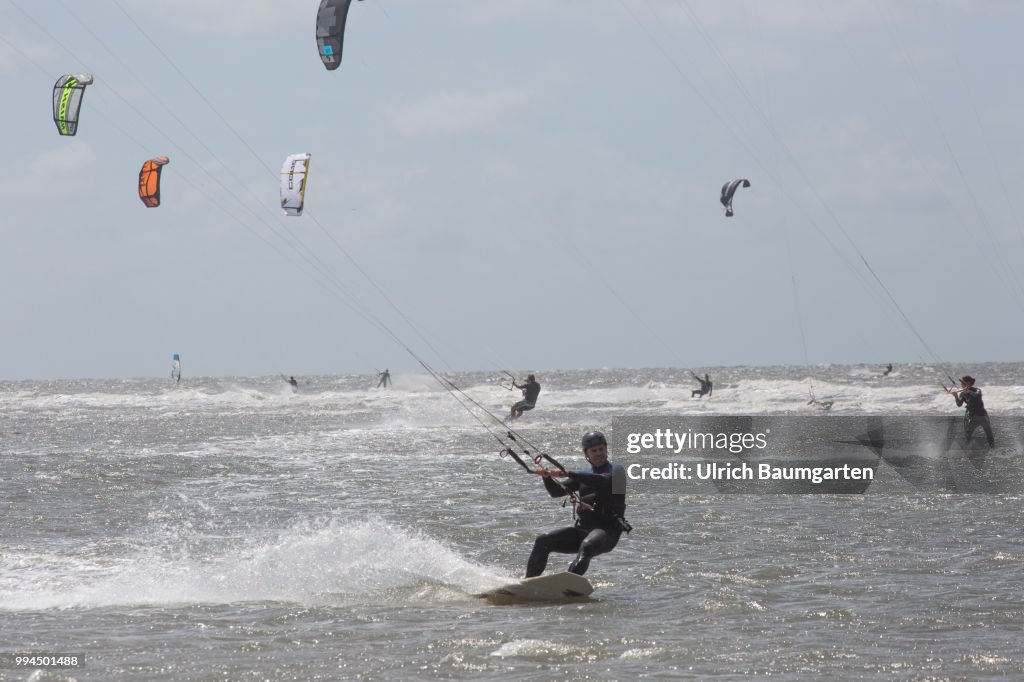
(560, 489)
(597, 482)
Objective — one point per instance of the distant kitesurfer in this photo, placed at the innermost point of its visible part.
(294, 383)
(531, 389)
(888, 368)
(705, 386)
(385, 379)
(975, 415)
(824, 405)
(599, 516)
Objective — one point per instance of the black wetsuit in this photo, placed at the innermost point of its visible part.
(595, 532)
(385, 379)
(531, 389)
(976, 414)
(888, 368)
(705, 387)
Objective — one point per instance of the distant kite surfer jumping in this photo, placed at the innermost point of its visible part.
(385, 379)
(531, 389)
(888, 368)
(705, 386)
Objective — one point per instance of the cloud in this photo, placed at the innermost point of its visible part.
(457, 113)
(14, 52)
(61, 166)
(885, 173)
(807, 14)
(476, 13)
(8, 58)
(849, 160)
(226, 18)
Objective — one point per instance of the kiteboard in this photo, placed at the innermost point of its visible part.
(553, 587)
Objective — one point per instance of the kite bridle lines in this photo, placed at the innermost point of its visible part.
(509, 440)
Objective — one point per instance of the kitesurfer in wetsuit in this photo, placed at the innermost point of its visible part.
(294, 383)
(385, 379)
(531, 389)
(888, 368)
(976, 415)
(599, 524)
(705, 386)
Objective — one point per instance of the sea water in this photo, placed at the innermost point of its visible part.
(229, 529)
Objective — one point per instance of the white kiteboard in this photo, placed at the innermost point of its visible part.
(552, 587)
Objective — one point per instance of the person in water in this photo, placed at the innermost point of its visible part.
(969, 396)
(705, 386)
(531, 389)
(294, 384)
(599, 516)
(888, 368)
(824, 405)
(385, 379)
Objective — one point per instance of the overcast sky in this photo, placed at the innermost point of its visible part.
(531, 184)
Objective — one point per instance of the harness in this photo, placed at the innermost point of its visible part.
(571, 495)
